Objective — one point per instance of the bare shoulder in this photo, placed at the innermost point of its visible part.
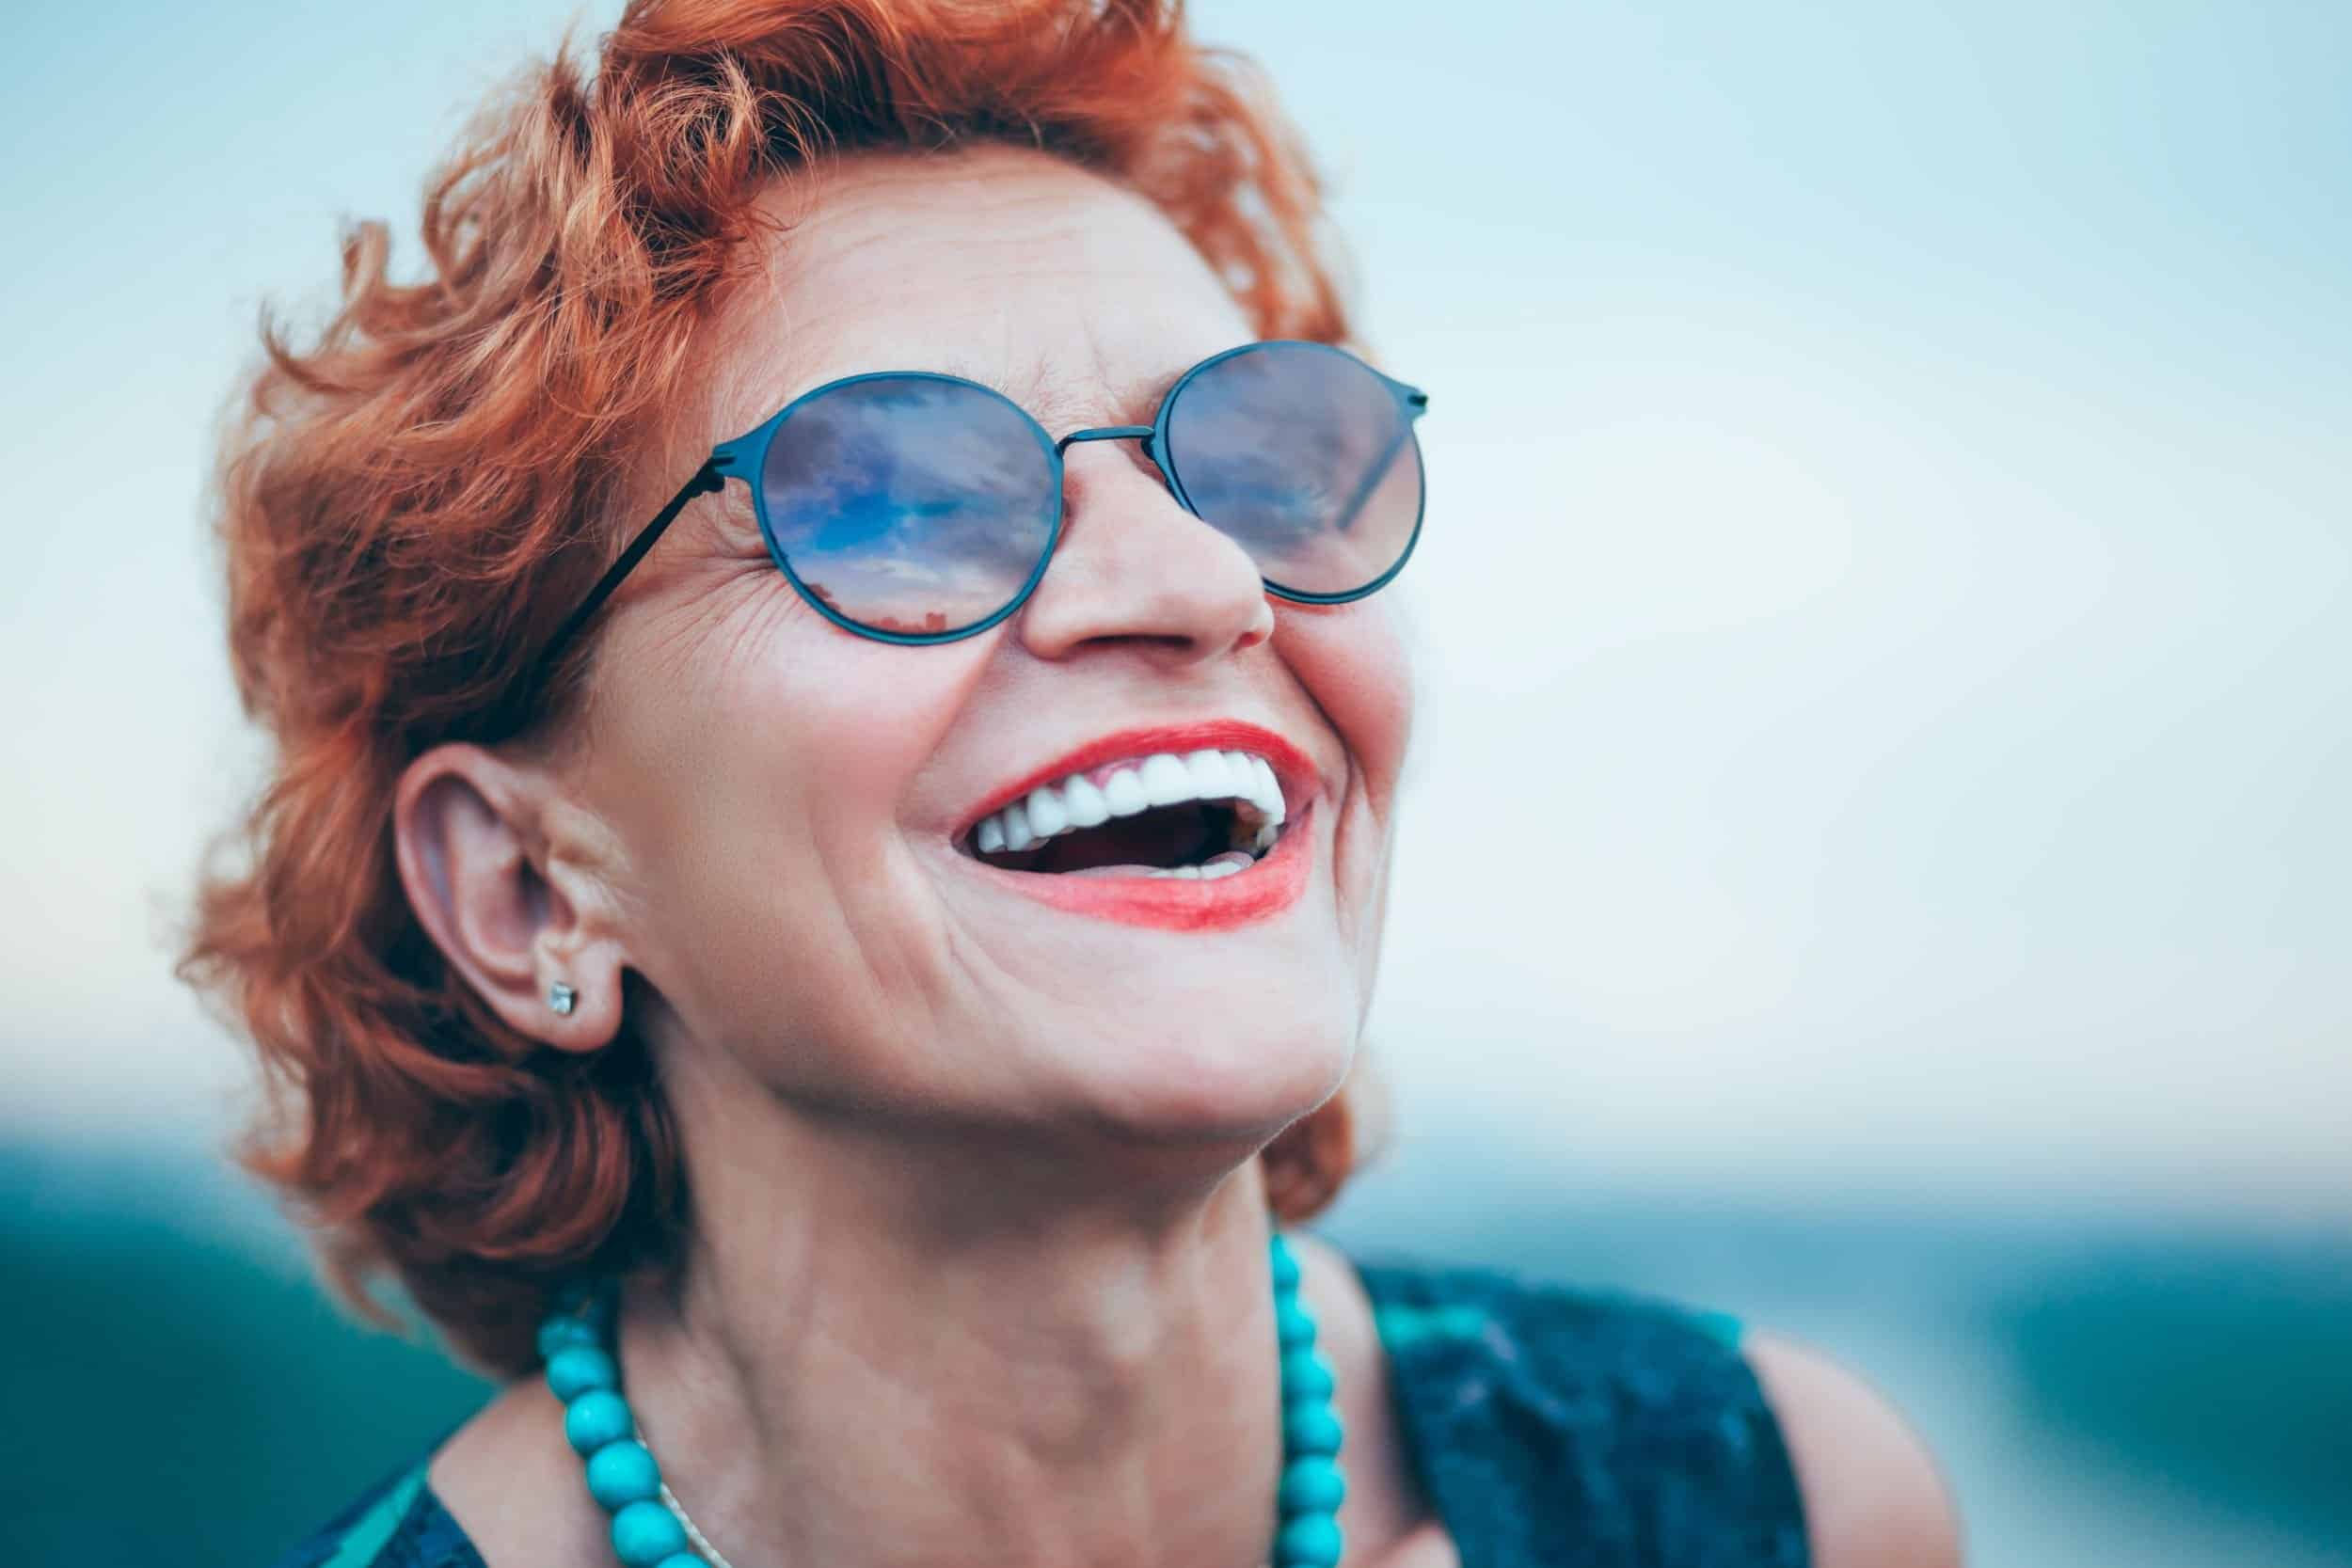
(1874, 1497)
(513, 1483)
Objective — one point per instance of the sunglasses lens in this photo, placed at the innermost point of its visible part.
(910, 504)
(1305, 456)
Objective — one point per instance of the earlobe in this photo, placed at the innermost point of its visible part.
(468, 828)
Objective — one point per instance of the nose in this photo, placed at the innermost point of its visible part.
(1135, 569)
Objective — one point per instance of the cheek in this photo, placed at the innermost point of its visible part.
(756, 777)
(1353, 661)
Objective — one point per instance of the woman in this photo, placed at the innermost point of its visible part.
(837, 746)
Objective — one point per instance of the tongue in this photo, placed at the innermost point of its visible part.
(1126, 846)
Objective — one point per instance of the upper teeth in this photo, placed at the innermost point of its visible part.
(1162, 779)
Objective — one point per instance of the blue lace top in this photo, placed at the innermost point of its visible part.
(1549, 1427)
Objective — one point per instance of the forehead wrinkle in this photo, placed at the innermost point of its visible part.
(850, 227)
(757, 386)
(1063, 402)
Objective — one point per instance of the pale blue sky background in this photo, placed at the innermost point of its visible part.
(1888, 713)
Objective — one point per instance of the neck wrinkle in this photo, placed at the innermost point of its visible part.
(899, 1366)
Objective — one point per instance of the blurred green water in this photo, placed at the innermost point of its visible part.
(180, 1392)
(2226, 1370)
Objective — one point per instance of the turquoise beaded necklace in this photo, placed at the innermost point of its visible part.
(650, 1529)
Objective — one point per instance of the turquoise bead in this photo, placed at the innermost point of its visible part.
(1306, 1378)
(1285, 1266)
(1311, 1542)
(1294, 1324)
(576, 1368)
(623, 1473)
(558, 1332)
(1309, 1428)
(624, 1479)
(596, 1417)
(1312, 1485)
(646, 1534)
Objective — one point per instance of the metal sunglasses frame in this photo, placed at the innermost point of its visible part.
(746, 456)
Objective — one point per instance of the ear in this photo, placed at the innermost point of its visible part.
(512, 906)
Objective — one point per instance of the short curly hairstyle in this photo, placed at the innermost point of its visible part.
(409, 504)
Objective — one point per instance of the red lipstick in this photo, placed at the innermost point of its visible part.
(1265, 888)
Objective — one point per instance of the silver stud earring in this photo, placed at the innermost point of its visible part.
(561, 997)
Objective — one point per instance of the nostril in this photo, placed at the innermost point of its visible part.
(1260, 630)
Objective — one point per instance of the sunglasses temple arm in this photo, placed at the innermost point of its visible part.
(704, 481)
(1374, 475)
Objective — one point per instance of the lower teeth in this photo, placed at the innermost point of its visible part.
(1225, 864)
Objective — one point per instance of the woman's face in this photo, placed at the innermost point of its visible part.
(791, 809)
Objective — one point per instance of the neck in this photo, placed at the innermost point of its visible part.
(898, 1365)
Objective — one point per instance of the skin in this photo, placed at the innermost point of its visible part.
(978, 1266)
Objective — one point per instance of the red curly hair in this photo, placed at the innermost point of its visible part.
(411, 501)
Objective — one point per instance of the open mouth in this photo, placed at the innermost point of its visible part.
(1199, 815)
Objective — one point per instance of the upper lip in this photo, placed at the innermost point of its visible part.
(1293, 769)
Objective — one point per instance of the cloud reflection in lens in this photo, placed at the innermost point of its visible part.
(1305, 458)
(910, 504)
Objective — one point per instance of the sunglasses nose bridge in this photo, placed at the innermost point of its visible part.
(1108, 433)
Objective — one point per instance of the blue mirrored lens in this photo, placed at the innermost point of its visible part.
(1304, 457)
(910, 504)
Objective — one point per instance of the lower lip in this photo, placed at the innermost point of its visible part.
(1268, 888)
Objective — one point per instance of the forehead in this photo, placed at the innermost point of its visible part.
(1073, 295)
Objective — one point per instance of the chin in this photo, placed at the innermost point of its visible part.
(1227, 1080)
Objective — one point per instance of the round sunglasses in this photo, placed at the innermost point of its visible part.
(915, 507)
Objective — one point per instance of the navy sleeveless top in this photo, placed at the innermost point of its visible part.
(1549, 1428)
